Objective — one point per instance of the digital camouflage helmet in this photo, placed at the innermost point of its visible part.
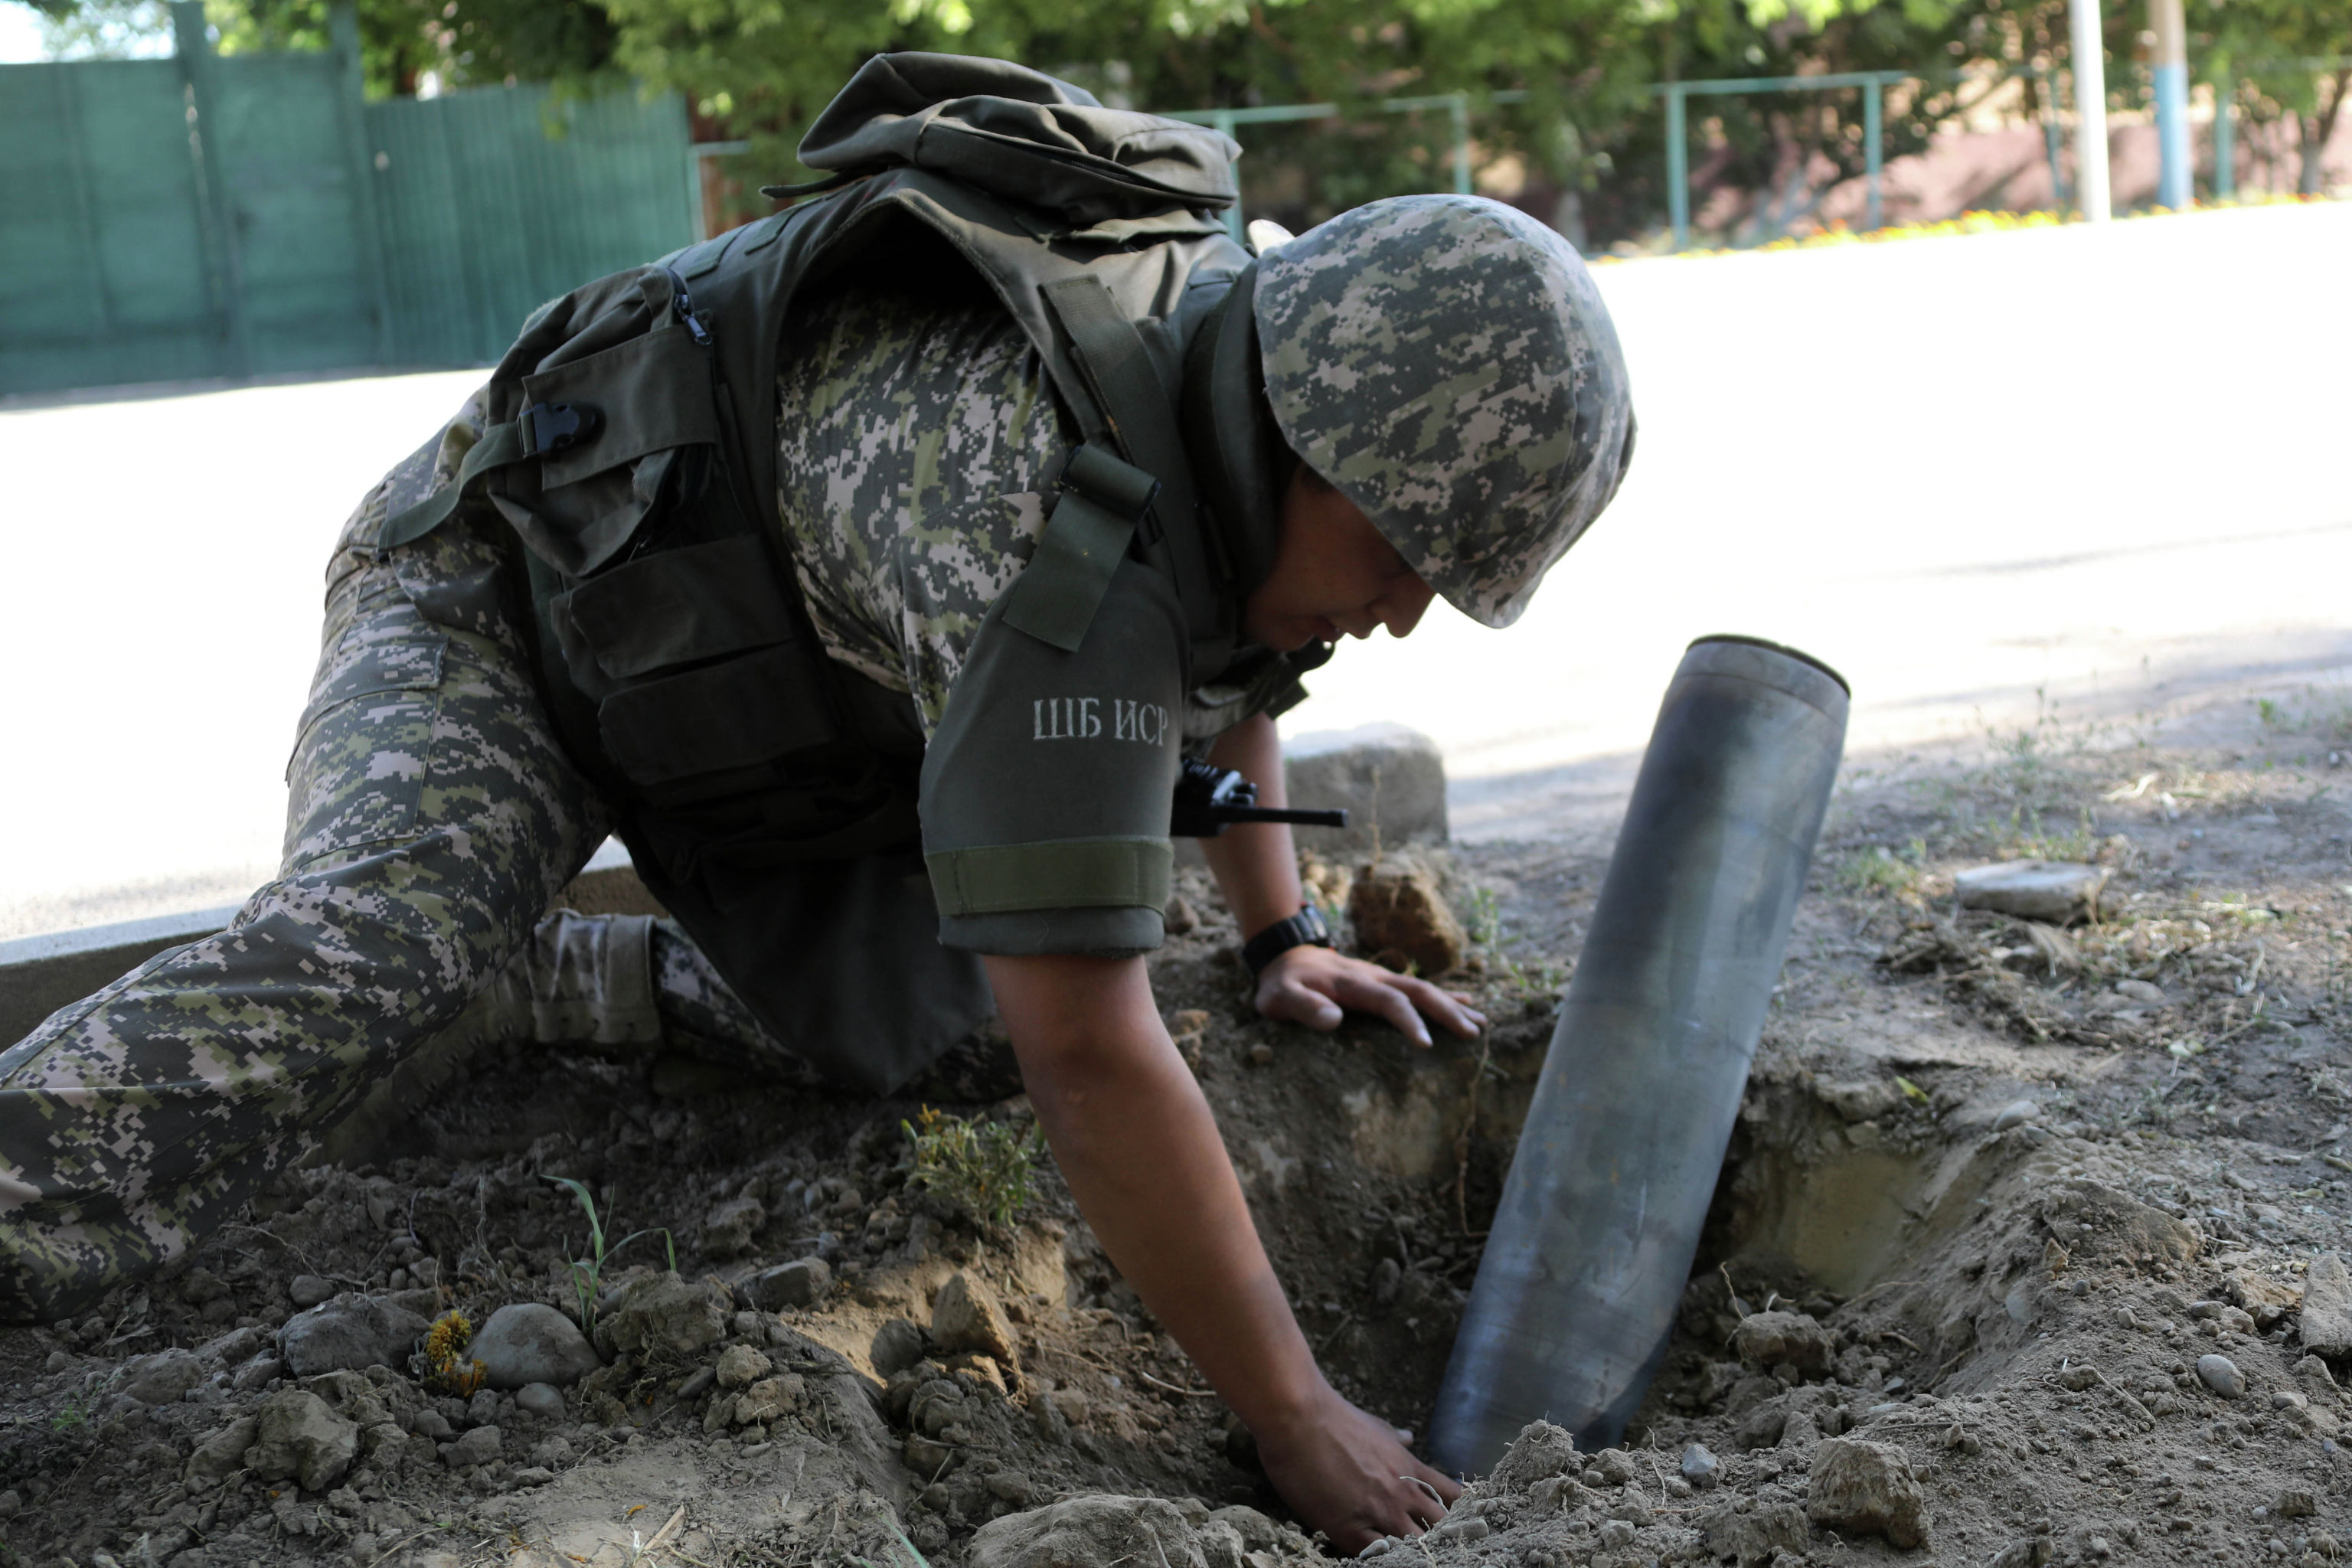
(1447, 363)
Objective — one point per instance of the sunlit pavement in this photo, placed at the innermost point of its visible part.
(2107, 468)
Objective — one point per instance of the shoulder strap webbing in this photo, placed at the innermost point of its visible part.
(1139, 417)
(1057, 595)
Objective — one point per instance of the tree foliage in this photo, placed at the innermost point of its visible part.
(1588, 137)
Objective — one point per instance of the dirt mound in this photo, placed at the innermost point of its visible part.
(2024, 1252)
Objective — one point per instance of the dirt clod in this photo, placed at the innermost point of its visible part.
(967, 1316)
(1867, 1488)
(297, 1436)
(2326, 1323)
(1790, 1339)
(1397, 907)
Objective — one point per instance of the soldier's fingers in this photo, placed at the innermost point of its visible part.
(1294, 1003)
(1442, 1005)
(1388, 1002)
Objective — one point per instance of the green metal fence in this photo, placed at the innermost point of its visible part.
(211, 215)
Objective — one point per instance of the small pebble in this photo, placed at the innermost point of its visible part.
(309, 1290)
(1262, 1054)
(2220, 1374)
(58, 1360)
(1699, 1467)
(543, 1400)
(2015, 1114)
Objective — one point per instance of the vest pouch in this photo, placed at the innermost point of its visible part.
(649, 397)
(673, 607)
(738, 715)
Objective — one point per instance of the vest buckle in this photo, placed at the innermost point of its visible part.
(553, 426)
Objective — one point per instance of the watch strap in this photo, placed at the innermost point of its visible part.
(1305, 928)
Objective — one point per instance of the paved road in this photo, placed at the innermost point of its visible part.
(2106, 465)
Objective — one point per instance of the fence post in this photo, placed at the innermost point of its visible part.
(2174, 185)
(1873, 155)
(1677, 167)
(343, 30)
(1458, 106)
(217, 224)
(2049, 81)
(2225, 140)
(1222, 120)
(2090, 60)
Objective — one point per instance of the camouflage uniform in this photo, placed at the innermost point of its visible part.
(1444, 361)
(432, 818)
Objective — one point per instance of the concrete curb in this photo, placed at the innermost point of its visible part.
(39, 974)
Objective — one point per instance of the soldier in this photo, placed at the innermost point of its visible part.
(1445, 409)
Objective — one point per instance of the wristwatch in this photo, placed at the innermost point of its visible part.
(1305, 928)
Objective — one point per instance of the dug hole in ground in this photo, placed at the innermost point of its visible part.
(2024, 1251)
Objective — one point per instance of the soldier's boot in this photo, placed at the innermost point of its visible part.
(580, 980)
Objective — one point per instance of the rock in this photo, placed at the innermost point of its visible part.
(2031, 1551)
(2326, 1325)
(162, 1377)
(1398, 911)
(1699, 1467)
(2142, 992)
(532, 1476)
(1540, 1451)
(296, 1435)
(1771, 1339)
(2220, 1374)
(256, 1374)
(729, 1228)
(2298, 1502)
(478, 1446)
(1867, 1488)
(661, 1316)
(1755, 1536)
(236, 1347)
(2313, 1373)
(530, 1343)
(309, 1290)
(12, 1503)
(1614, 1467)
(1383, 775)
(769, 1398)
(2016, 1113)
(552, 1453)
(543, 1400)
(431, 1423)
(482, 1410)
(1091, 1532)
(897, 1345)
(2058, 891)
(348, 1334)
(222, 1455)
(798, 1284)
(1613, 1533)
(741, 1366)
(966, 1317)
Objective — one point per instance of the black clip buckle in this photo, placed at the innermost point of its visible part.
(553, 426)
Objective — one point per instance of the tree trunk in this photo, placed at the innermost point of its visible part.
(2314, 132)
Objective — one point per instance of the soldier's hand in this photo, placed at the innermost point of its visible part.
(1318, 987)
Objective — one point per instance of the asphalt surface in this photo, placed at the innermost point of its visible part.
(2098, 468)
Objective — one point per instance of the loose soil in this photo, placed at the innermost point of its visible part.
(1994, 1193)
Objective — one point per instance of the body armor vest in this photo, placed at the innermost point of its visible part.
(631, 449)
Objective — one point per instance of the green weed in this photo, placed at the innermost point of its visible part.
(588, 1273)
(1880, 870)
(1484, 925)
(988, 1169)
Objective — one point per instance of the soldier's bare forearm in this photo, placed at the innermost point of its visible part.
(1137, 1144)
(1256, 864)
